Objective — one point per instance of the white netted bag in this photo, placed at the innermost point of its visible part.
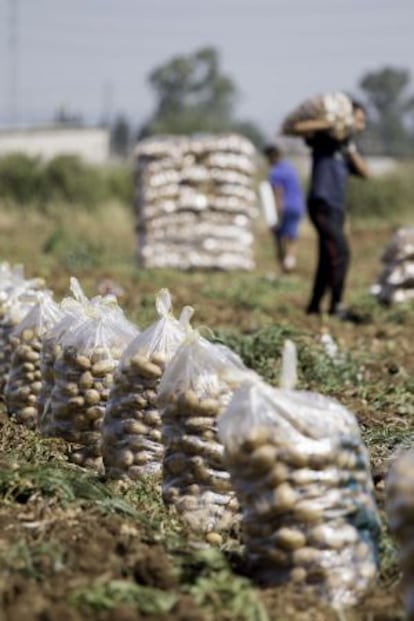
(399, 491)
(131, 433)
(302, 478)
(192, 393)
(335, 108)
(24, 383)
(83, 373)
(73, 312)
(17, 298)
(10, 278)
(400, 247)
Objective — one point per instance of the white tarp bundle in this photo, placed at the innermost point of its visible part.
(195, 201)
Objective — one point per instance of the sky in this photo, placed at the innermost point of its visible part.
(93, 57)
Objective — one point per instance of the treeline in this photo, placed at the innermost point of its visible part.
(193, 94)
(29, 181)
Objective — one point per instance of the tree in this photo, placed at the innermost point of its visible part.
(193, 95)
(120, 137)
(390, 109)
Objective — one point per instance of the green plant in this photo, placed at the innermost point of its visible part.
(106, 596)
(66, 179)
(66, 483)
(216, 589)
(32, 560)
(262, 352)
(22, 179)
(385, 197)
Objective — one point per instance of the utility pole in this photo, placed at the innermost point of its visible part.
(13, 48)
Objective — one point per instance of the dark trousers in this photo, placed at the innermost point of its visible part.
(334, 254)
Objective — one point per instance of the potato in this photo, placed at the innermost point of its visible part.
(284, 497)
(305, 556)
(290, 538)
(214, 538)
(264, 457)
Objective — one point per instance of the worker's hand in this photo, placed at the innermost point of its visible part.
(350, 148)
(358, 165)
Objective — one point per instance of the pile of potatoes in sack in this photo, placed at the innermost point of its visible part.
(131, 434)
(17, 296)
(192, 394)
(400, 511)
(301, 475)
(90, 351)
(24, 383)
(335, 109)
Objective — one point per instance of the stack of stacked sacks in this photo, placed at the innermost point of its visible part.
(195, 202)
(83, 374)
(400, 510)
(17, 296)
(24, 382)
(302, 478)
(192, 393)
(131, 434)
(396, 281)
(335, 109)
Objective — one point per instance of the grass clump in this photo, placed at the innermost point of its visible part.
(262, 352)
(34, 561)
(29, 181)
(101, 596)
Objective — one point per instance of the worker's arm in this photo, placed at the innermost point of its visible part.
(357, 163)
(305, 128)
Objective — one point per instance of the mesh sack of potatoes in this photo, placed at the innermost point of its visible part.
(131, 432)
(73, 312)
(335, 108)
(191, 395)
(18, 299)
(400, 248)
(83, 376)
(400, 511)
(302, 478)
(395, 283)
(25, 379)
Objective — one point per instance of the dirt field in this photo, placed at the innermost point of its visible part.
(74, 547)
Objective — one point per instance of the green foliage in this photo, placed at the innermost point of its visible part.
(387, 197)
(215, 588)
(106, 596)
(391, 111)
(27, 181)
(22, 178)
(194, 95)
(30, 560)
(74, 252)
(69, 180)
(65, 483)
(262, 352)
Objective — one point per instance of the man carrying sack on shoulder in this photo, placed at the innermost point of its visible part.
(333, 160)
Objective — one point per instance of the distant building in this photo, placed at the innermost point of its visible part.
(90, 144)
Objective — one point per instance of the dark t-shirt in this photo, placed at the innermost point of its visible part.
(330, 170)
